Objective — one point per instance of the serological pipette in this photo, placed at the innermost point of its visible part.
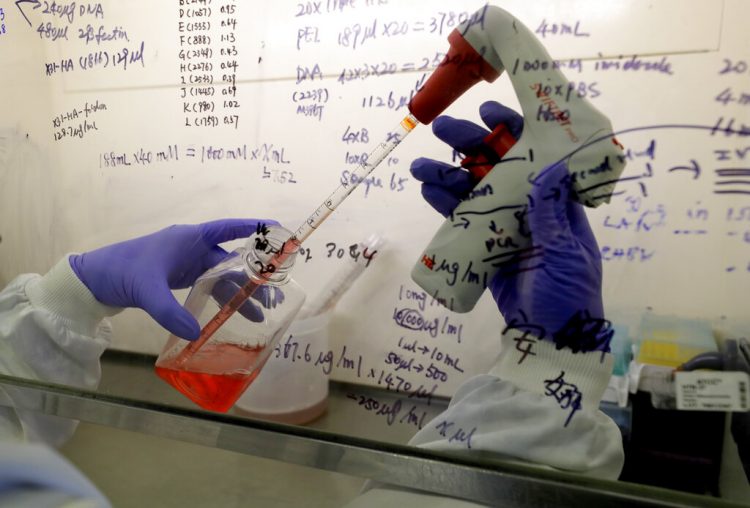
(321, 213)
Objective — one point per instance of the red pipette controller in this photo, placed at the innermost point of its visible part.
(462, 68)
(483, 46)
(494, 146)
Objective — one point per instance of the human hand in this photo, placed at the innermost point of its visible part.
(232, 282)
(555, 290)
(142, 272)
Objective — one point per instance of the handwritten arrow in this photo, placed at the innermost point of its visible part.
(694, 167)
(35, 3)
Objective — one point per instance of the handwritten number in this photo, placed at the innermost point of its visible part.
(738, 67)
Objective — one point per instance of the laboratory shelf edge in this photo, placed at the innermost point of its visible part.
(468, 475)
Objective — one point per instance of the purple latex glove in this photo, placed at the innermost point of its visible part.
(142, 272)
(232, 283)
(556, 292)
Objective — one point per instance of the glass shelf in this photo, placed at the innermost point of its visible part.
(347, 439)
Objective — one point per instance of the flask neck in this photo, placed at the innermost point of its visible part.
(270, 254)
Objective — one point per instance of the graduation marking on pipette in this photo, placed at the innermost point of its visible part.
(378, 154)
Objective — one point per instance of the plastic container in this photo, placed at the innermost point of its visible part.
(670, 341)
(292, 388)
(664, 343)
(621, 348)
(217, 368)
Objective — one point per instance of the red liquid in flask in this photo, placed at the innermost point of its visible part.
(215, 376)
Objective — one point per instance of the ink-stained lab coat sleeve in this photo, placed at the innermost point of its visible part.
(51, 329)
(540, 408)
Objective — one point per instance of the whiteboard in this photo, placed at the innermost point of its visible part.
(121, 118)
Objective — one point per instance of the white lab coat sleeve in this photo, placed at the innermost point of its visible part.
(538, 405)
(543, 410)
(35, 475)
(51, 329)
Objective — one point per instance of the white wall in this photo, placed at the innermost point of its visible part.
(61, 195)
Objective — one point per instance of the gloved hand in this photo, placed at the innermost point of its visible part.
(141, 272)
(557, 293)
(232, 282)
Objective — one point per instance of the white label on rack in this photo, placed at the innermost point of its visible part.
(712, 391)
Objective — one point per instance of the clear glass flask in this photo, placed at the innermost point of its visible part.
(242, 331)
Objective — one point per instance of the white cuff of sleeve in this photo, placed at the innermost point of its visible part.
(539, 367)
(62, 293)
